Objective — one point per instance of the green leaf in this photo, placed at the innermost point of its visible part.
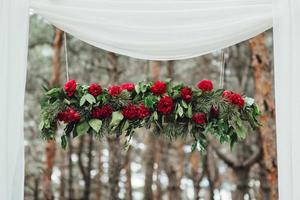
(190, 111)
(179, 110)
(183, 103)
(125, 126)
(137, 88)
(96, 124)
(82, 100)
(41, 125)
(82, 128)
(53, 92)
(64, 142)
(116, 119)
(90, 98)
(155, 116)
(150, 101)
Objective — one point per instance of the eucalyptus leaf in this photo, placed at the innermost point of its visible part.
(95, 124)
(82, 128)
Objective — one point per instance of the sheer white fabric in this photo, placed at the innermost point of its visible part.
(159, 30)
(287, 96)
(13, 58)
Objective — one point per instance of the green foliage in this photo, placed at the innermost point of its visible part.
(227, 127)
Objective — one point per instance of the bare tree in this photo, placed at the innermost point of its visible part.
(51, 145)
(264, 96)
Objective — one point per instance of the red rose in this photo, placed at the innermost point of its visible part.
(159, 88)
(227, 93)
(128, 86)
(69, 115)
(199, 118)
(95, 89)
(143, 111)
(70, 87)
(186, 94)
(165, 105)
(214, 112)
(114, 90)
(234, 98)
(237, 100)
(102, 113)
(205, 85)
(131, 112)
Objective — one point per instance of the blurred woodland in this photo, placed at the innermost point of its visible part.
(152, 168)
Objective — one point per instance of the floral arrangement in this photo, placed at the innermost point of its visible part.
(170, 111)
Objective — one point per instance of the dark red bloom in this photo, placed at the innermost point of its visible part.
(69, 115)
(159, 88)
(165, 105)
(128, 86)
(186, 94)
(199, 118)
(143, 111)
(214, 112)
(70, 87)
(205, 85)
(237, 99)
(227, 93)
(234, 98)
(102, 113)
(114, 90)
(131, 112)
(95, 89)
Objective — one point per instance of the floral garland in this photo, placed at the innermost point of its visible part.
(171, 111)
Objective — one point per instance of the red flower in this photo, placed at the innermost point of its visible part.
(131, 112)
(128, 86)
(95, 89)
(159, 88)
(227, 93)
(205, 85)
(165, 105)
(199, 118)
(237, 100)
(114, 90)
(143, 111)
(214, 112)
(234, 98)
(70, 87)
(103, 112)
(186, 94)
(69, 115)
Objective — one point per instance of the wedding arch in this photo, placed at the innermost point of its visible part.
(154, 30)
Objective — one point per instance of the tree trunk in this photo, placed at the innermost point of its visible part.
(114, 167)
(36, 188)
(150, 142)
(62, 185)
(70, 168)
(51, 145)
(196, 173)
(128, 187)
(265, 99)
(114, 146)
(87, 188)
(98, 177)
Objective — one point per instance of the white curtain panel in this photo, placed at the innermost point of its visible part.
(13, 59)
(287, 95)
(159, 29)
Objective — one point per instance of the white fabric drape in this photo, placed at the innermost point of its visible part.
(287, 95)
(13, 59)
(159, 30)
